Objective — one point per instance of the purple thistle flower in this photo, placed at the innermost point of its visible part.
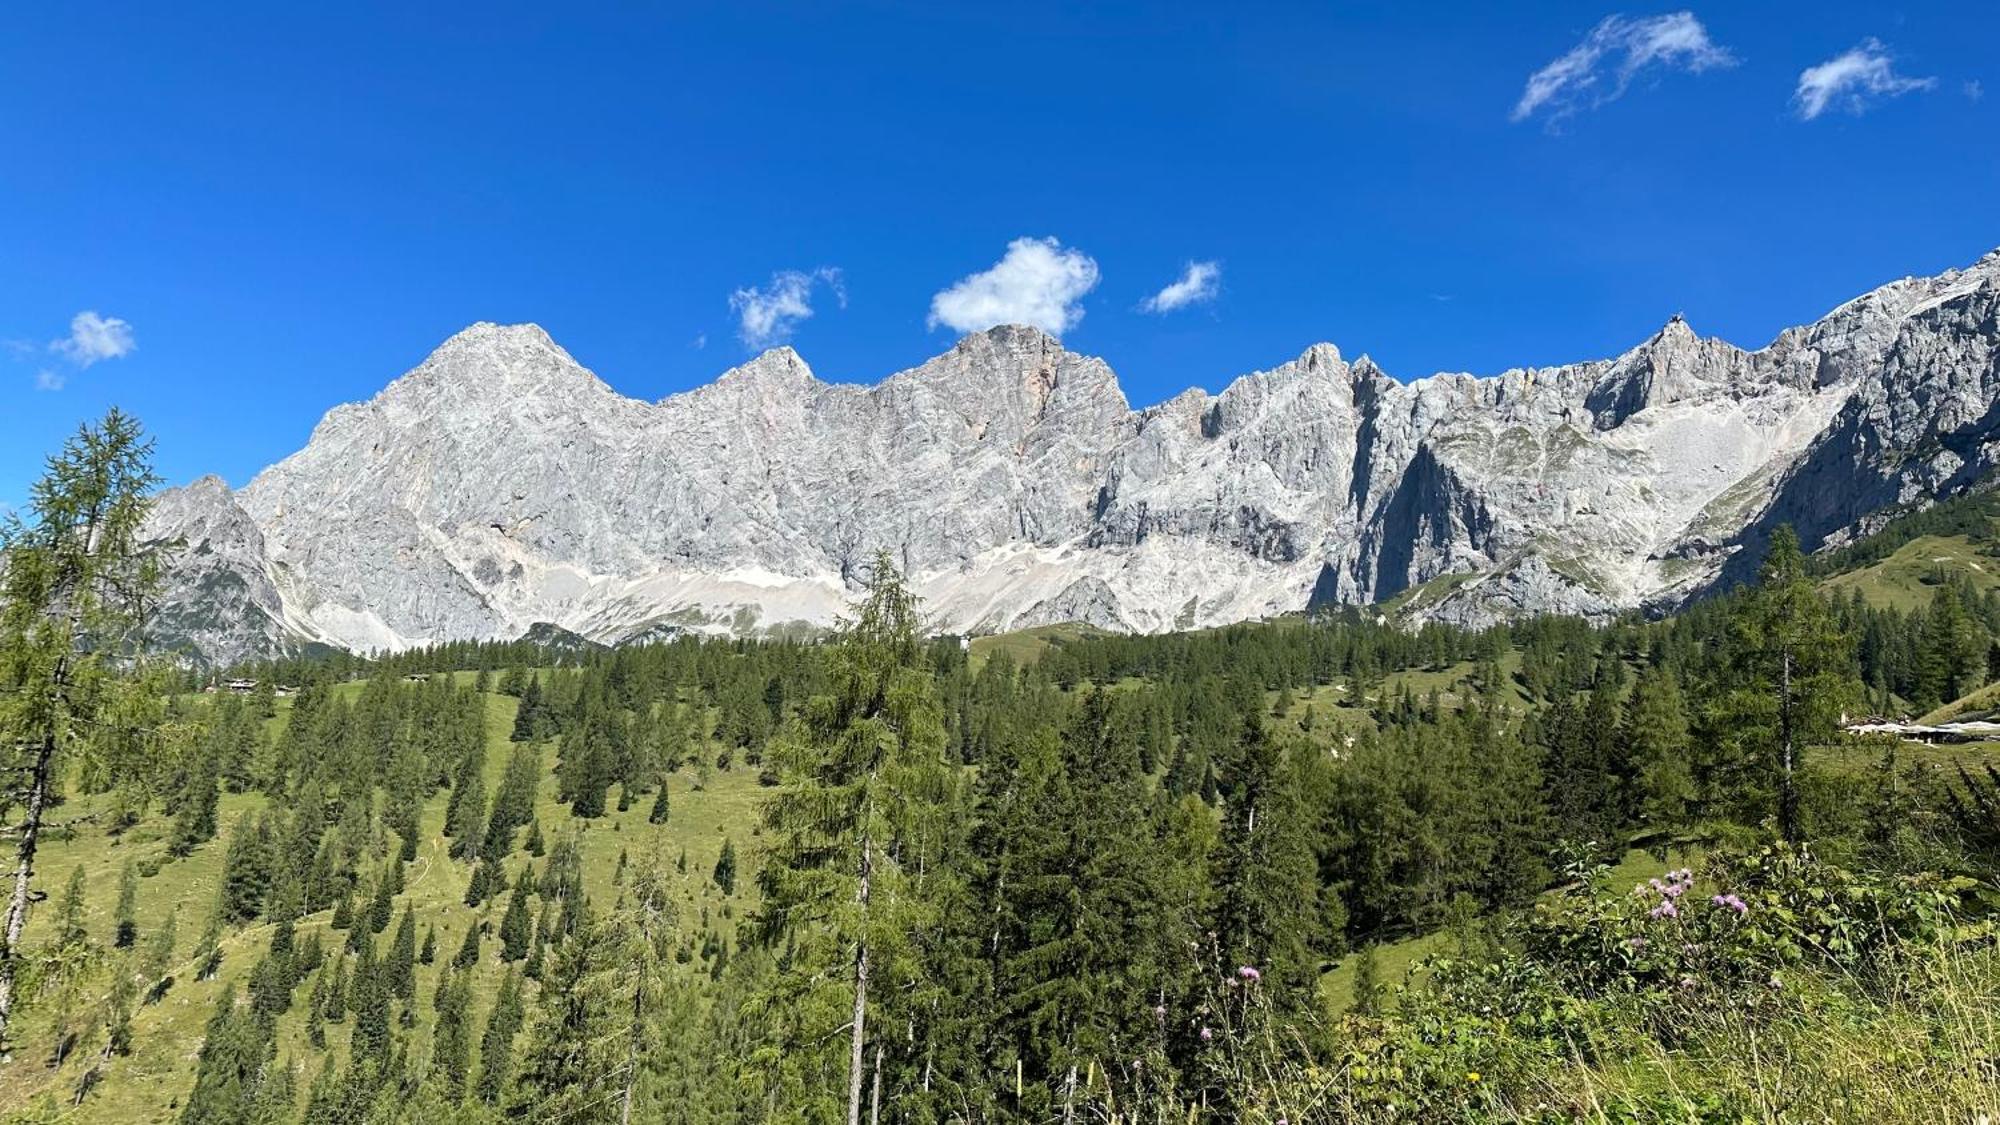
(1249, 973)
(1206, 1035)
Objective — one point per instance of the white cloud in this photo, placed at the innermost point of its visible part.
(93, 338)
(1600, 68)
(47, 380)
(1848, 81)
(767, 316)
(1973, 90)
(1200, 282)
(1037, 282)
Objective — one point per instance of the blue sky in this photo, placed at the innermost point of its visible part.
(270, 210)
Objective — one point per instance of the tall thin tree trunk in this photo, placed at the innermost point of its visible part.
(1788, 798)
(24, 872)
(854, 1058)
(632, 1048)
(70, 600)
(875, 1099)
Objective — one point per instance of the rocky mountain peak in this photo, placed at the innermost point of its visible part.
(500, 484)
(487, 360)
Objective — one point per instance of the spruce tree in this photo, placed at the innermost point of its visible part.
(127, 916)
(400, 967)
(496, 1045)
(866, 784)
(159, 956)
(233, 1053)
(1657, 742)
(1792, 674)
(1367, 983)
(516, 929)
(574, 1053)
(194, 808)
(660, 809)
(1268, 913)
(368, 996)
(465, 813)
(468, 951)
(72, 929)
(725, 867)
(451, 1042)
(382, 906)
(246, 870)
(208, 951)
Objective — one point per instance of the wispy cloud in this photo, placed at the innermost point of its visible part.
(767, 315)
(1852, 81)
(1037, 282)
(93, 338)
(1199, 282)
(1973, 90)
(1616, 51)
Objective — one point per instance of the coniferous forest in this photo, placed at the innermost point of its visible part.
(1314, 869)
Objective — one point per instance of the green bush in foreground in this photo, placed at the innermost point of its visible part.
(1770, 987)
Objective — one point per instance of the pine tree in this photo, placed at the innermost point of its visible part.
(194, 809)
(516, 929)
(428, 954)
(496, 1045)
(1367, 983)
(660, 809)
(514, 802)
(159, 957)
(72, 928)
(533, 844)
(574, 1054)
(479, 887)
(382, 906)
(1081, 940)
(465, 813)
(74, 578)
(528, 718)
(867, 778)
(246, 870)
(233, 1054)
(127, 916)
(1267, 918)
(725, 867)
(451, 1042)
(274, 1102)
(1792, 672)
(468, 951)
(368, 996)
(208, 951)
(400, 967)
(1655, 733)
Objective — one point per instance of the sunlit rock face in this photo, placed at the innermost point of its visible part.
(500, 484)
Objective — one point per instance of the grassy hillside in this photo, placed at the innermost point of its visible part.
(147, 1085)
(1906, 579)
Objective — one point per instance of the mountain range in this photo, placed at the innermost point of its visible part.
(500, 485)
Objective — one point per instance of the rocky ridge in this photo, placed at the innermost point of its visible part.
(500, 484)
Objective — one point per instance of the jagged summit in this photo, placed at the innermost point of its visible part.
(500, 484)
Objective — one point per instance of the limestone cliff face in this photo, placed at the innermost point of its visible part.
(500, 484)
